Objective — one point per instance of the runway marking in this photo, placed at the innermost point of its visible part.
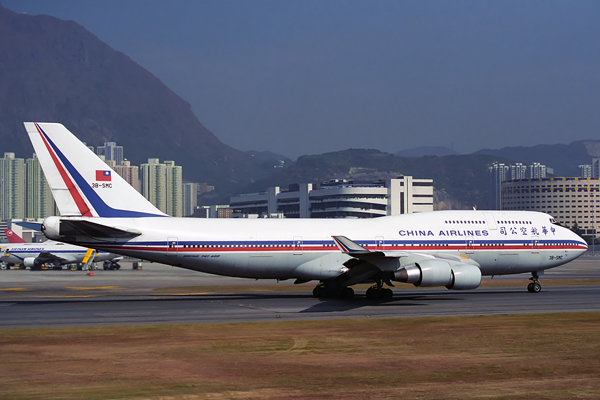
(16, 289)
(92, 288)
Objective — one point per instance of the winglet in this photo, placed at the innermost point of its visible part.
(347, 246)
(13, 237)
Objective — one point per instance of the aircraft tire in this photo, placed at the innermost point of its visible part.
(372, 293)
(536, 287)
(387, 294)
(347, 293)
(318, 291)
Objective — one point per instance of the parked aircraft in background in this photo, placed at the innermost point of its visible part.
(441, 248)
(35, 255)
(13, 237)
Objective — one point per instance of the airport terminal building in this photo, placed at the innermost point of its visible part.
(339, 199)
(572, 201)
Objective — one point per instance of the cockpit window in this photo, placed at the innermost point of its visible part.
(554, 222)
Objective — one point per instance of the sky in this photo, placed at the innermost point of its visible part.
(309, 77)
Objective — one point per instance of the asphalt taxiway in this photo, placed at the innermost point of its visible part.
(161, 294)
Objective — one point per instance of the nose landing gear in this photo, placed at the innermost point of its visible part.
(534, 286)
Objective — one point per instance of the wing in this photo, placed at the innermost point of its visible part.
(420, 269)
(48, 257)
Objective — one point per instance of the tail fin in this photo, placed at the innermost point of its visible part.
(82, 184)
(13, 237)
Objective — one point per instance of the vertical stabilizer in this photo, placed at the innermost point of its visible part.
(82, 184)
(13, 237)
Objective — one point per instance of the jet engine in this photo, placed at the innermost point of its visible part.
(430, 273)
(32, 262)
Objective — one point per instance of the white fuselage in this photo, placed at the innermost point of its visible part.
(498, 242)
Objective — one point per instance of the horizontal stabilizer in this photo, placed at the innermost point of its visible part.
(94, 230)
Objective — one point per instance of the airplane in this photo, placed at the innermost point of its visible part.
(451, 249)
(35, 255)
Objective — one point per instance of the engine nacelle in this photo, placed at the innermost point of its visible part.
(430, 273)
(51, 227)
(465, 277)
(426, 273)
(32, 262)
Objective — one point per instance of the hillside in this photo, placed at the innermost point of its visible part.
(461, 181)
(57, 71)
(563, 158)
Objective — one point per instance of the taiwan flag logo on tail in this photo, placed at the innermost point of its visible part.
(103, 176)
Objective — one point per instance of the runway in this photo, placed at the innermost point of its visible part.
(167, 295)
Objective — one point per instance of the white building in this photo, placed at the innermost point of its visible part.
(340, 199)
(572, 201)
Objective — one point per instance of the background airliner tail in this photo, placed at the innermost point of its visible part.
(82, 184)
(13, 237)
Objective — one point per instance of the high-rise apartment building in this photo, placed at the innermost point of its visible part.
(518, 171)
(498, 173)
(12, 187)
(585, 171)
(39, 201)
(596, 168)
(161, 184)
(111, 152)
(174, 186)
(131, 173)
(537, 171)
(190, 198)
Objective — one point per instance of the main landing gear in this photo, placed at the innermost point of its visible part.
(324, 291)
(375, 293)
(534, 286)
(378, 292)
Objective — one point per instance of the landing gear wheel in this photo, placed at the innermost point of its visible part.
(530, 287)
(534, 286)
(318, 291)
(373, 293)
(333, 292)
(387, 294)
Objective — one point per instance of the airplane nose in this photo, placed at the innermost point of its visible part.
(582, 246)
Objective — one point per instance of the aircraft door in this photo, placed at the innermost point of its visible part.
(535, 244)
(470, 245)
(172, 246)
(491, 221)
(379, 242)
(298, 245)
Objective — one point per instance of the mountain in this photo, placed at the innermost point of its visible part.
(563, 158)
(56, 71)
(459, 181)
(438, 151)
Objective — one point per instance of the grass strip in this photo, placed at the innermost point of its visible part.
(537, 356)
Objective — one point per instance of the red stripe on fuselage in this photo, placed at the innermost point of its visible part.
(81, 205)
(247, 249)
